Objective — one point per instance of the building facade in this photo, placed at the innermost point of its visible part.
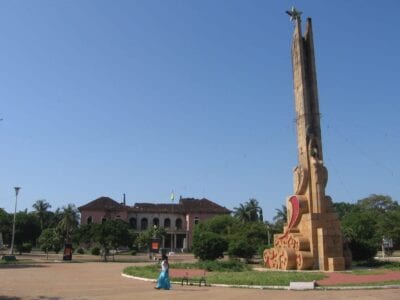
(178, 219)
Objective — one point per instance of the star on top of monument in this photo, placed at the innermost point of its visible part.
(294, 13)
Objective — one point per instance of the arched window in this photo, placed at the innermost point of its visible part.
(196, 220)
(156, 222)
(103, 220)
(89, 220)
(143, 224)
(178, 223)
(167, 223)
(133, 223)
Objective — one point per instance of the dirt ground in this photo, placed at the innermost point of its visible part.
(95, 280)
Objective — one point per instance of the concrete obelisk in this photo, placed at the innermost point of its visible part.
(312, 237)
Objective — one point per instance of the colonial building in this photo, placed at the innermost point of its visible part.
(178, 219)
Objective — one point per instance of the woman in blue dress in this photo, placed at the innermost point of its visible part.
(163, 278)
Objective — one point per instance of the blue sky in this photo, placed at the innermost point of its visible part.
(144, 97)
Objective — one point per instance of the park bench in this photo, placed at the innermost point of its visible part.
(193, 281)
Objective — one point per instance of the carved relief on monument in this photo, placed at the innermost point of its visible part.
(300, 180)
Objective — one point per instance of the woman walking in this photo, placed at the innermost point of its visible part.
(163, 278)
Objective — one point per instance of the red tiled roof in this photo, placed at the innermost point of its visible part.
(202, 205)
(185, 205)
(102, 203)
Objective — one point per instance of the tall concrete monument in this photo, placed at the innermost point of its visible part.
(312, 237)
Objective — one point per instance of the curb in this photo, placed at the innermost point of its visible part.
(279, 287)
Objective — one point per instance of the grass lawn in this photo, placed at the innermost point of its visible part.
(244, 277)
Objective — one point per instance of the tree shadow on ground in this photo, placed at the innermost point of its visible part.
(9, 298)
(46, 298)
(20, 266)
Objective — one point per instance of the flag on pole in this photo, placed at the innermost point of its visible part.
(172, 196)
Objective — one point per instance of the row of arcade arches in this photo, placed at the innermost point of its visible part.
(144, 223)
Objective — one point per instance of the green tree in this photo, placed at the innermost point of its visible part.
(378, 203)
(280, 218)
(235, 233)
(343, 208)
(49, 240)
(144, 238)
(208, 245)
(41, 206)
(5, 226)
(242, 213)
(253, 234)
(27, 228)
(250, 211)
(112, 234)
(219, 224)
(84, 235)
(69, 220)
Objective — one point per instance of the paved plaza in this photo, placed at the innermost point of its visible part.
(94, 280)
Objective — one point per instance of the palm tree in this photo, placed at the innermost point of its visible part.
(250, 211)
(280, 218)
(69, 220)
(254, 209)
(242, 213)
(41, 206)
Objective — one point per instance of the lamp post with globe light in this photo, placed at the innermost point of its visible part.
(15, 212)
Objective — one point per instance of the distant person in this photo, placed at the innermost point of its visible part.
(163, 278)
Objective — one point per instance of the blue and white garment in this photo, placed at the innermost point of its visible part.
(163, 278)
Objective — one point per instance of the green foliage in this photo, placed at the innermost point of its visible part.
(80, 251)
(133, 252)
(362, 250)
(219, 224)
(50, 240)
(27, 228)
(243, 238)
(69, 221)
(83, 234)
(231, 265)
(247, 238)
(95, 251)
(280, 218)
(208, 245)
(241, 248)
(372, 263)
(57, 247)
(41, 207)
(5, 226)
(238, 278)
(144, 238)
(112, 234)
(250, 211)
(343, 208)
(365, 223)
(24, 248)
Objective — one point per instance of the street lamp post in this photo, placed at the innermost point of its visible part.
(15, 212)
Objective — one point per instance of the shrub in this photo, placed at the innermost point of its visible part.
(57, 248)
(133, 252)
(362, 250)
(24, 248)
(209, 245)
(241, 248)
(232, 265)
(95, 251)
(80, 251)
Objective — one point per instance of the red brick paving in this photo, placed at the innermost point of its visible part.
(337, 278)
